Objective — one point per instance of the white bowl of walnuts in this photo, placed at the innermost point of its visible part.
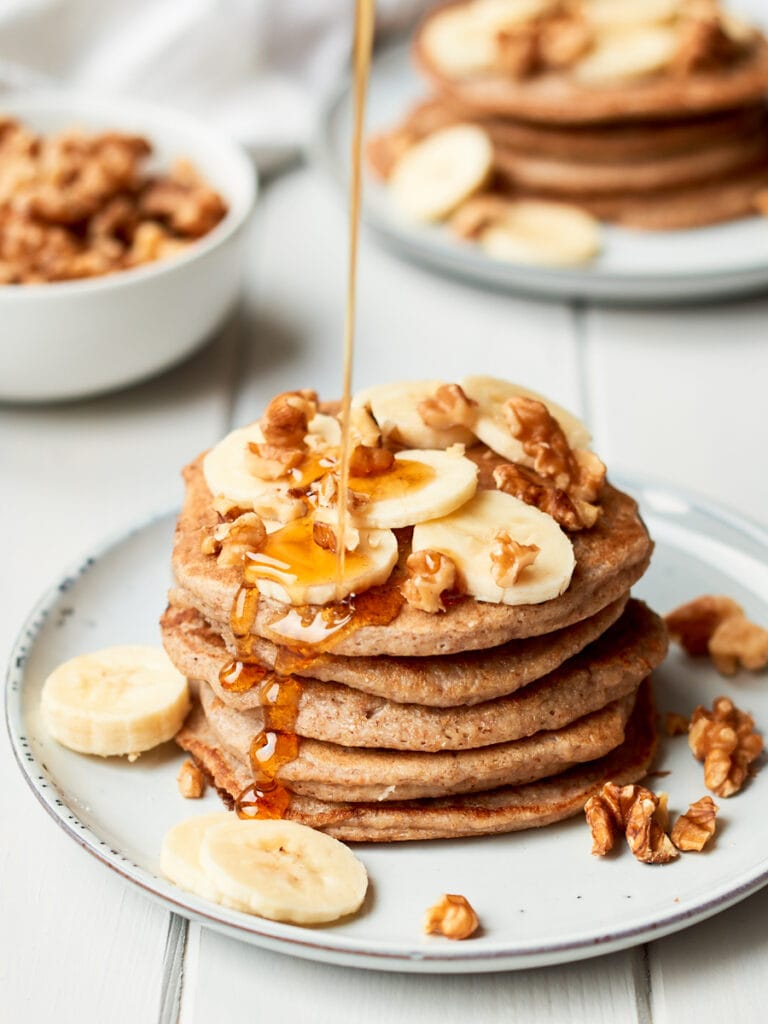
(121, 238)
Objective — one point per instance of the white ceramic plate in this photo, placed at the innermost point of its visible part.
(635, 266)
(541, 897)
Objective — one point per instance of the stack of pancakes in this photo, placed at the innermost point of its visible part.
(679, 145)
(479, 719)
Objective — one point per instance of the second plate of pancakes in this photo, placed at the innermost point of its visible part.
(635, 265)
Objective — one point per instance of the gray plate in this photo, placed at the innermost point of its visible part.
(541, 897)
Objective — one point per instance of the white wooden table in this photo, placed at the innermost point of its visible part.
(675, 395)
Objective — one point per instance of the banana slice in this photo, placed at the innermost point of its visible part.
(230, 478)
(423, 485)
(459, 44)
(492, 427)
(467, 535)
(180, 855)
(609, 14)
(432, 177)
(120, 700)
(500, 14)
(625, 56)
(395, 408)
(293, 569)
(543, 233)
(283, 871)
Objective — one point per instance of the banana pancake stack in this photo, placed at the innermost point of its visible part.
(472, 664)
(648, 114)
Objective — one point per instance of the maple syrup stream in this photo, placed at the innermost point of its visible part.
(277, 743)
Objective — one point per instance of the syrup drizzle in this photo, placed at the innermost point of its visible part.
(308, 630)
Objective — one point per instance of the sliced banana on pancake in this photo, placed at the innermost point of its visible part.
(283, 871)
(458, 44)
(492, 426)
(119, 700)
(469, 538)
(292, 568)
(609, 14)
(542, 232)
(438, 173)
(627, 56)
(180, 855)
(395, 407)
(230, 477)
(423, 485)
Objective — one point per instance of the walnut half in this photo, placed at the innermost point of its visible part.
(452, 916)
(448, 407)
(635, 811)
(725, 740)
(430, 574)
(695, 828)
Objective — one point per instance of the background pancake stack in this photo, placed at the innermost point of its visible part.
(650, 115)
(482, 718)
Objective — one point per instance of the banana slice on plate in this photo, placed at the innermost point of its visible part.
(609, 14)
(180, 855)
(292, 568)
(543, 233)
(229, 474)
(459, 44)
(442, 170)
(492, 426)
(120, 700)
(627, 55)
(283, 871)
(468, 535)
(422, 485)
(395, 407)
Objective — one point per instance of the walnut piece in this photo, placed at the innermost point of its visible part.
(517, 50)
(580, 473)
(430, 574)
(271, 462)
(191, 781)
(509, 559)
(635, 811)
(693, 830)
(717, 625)
(563, 40)
(448, 407)
(363, 428)
(286, 419)
(365, 460)
(570, 513)
(692, 624)
(703, 44)
(452, 916)
(675, 724)
(726, 741)
(237, 538)
(737, 642)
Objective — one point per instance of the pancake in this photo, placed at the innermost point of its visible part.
(574, 178)
(610, 557)
(433, 681)
(608, 669)
(611, 143)
(329, 771)
(557, 98)
(507, 809)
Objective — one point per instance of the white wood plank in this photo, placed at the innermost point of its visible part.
(73, 938)
(411, 323)
(679, 395)
(247, 983)
(715, 971)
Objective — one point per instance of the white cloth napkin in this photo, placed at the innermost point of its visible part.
(258, 68)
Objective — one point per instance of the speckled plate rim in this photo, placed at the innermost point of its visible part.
(322, 944)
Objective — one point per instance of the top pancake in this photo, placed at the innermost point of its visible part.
(609, 559)
(557, 98)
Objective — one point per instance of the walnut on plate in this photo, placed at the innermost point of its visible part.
(693, 830)
(430, 575)
(191, 781)
(717, 625)
(635, 811)
(452, 916)
(725, 740)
